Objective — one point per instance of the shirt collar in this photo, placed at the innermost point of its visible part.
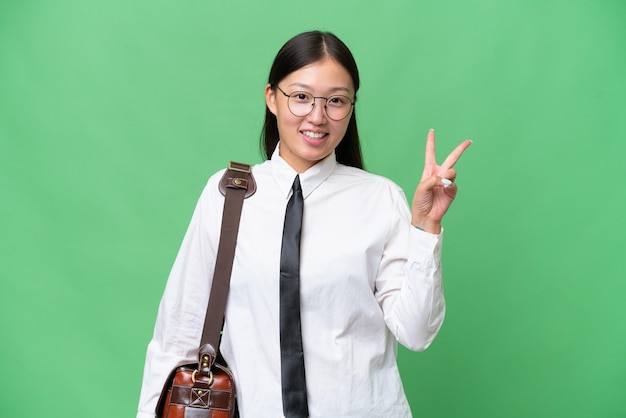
(310, 180)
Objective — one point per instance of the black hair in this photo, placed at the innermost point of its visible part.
(300, 51)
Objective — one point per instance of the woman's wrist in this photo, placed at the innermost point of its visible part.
(427, 226)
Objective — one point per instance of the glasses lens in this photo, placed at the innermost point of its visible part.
(300, 103)
(338, 107)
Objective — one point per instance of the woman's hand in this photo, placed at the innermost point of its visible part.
(436, 190)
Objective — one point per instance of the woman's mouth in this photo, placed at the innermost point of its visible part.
(313, 136)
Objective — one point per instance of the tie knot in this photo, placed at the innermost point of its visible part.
(296, 184)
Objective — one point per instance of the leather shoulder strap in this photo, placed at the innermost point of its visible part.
(238, 176)
(237, 184)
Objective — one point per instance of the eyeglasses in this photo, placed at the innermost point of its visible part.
(301, 103)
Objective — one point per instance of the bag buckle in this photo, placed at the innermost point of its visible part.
(239, 167)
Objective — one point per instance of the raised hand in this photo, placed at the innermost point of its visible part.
(436, 190)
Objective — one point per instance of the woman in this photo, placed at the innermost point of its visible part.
(369, 273)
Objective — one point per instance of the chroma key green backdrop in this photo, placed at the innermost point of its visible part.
(114, 113)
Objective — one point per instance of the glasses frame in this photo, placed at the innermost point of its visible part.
(288, 96)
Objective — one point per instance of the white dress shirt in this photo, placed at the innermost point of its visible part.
(368, 280)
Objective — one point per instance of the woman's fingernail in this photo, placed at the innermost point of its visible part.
(446, 182)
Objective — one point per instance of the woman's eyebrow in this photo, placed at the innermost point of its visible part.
(332, 89)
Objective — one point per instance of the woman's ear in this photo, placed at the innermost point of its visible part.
(270, 98)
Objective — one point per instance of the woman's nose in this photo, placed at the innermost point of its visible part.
(318, 114)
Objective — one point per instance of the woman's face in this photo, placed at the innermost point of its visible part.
(305, 140)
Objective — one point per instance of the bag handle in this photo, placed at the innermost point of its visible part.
(236, 184)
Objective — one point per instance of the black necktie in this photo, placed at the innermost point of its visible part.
(291, 354)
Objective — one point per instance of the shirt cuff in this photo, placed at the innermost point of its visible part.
(424, 243)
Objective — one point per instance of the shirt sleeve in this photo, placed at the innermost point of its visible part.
(182, 309)
(409, 284)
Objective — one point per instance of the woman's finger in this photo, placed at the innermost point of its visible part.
(449, 174)
(455, 155)
(430, 157)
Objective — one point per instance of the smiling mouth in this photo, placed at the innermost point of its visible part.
(314, 135)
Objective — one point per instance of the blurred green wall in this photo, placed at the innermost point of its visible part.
(113, 115)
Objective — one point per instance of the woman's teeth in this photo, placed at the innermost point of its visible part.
(314, 135)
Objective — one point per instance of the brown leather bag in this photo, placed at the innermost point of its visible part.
(190, 395)
(206, 389)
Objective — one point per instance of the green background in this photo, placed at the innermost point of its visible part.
(113, 115)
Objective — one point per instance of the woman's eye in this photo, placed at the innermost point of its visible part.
(303, 97)
(338, 101)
